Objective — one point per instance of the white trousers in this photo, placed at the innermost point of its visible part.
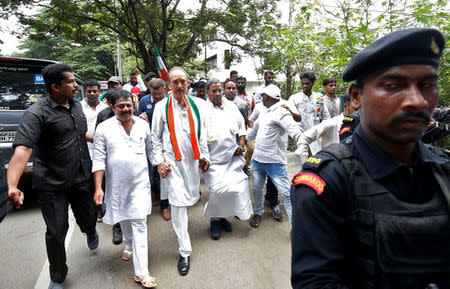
(134, 234)
(180, 225)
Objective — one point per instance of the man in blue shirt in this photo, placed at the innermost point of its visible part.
(146, 107)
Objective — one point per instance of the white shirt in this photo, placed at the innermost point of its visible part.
(312, 108)
(124, 159)
(225, 123)
(327, 129)
(140, 83)
(91, 119)
(333, 105)
(270, 133)
(182, 184)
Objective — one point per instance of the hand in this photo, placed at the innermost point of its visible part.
(250, 123)
(204, 165)
(164, 170)
(16, 197)
(137, 71)
(238, 151)
(286, 107)
(144, 116)
(98, 197)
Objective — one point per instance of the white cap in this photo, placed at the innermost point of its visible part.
(272, 90)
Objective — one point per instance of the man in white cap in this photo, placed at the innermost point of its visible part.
(269, 157)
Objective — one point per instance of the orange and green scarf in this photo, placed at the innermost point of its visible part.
(194, 136)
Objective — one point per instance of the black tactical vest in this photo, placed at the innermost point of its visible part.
(397, 244)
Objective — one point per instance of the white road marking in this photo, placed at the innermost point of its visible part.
(44, 277)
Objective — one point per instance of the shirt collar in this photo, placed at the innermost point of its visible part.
(380, 164)
(274, 106)
(54, 103)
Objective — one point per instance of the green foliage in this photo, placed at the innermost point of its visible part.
(141, 23)
(324, 38)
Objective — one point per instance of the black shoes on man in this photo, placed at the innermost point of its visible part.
(216, 224)
(92, 241)
(183, 265)
(117, 234)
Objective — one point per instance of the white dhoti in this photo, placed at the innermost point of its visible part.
(134, 233)
(228, 190)
(228, 184)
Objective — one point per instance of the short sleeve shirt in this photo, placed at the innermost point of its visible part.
(58, 136)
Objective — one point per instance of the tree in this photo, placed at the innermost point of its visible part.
(325, 37)
(141, 23)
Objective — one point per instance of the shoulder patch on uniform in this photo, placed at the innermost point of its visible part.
(311, 180)
(314, 160)
(344, 130)
(347, 118)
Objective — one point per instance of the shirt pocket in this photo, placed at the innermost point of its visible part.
(137, 144)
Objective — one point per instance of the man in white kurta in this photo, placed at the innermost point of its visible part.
(311, 105)
(328, 130)
(180, 179)
(122, 145)
(91, 107)
(228, 184)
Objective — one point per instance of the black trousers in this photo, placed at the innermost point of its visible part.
(54, 207)
(271, 195)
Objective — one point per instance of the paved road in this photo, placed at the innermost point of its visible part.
(245, 258)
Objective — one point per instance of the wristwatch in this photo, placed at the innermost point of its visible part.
(242, 149)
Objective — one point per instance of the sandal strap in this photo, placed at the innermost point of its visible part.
(146, 281)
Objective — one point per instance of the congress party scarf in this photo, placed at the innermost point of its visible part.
(171, 123)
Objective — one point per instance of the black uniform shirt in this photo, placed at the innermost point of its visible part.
(320, 235)
(58, 136)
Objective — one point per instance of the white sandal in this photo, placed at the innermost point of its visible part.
(147, 281)
(127, 254)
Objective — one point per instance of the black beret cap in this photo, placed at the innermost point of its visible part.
(409, 46)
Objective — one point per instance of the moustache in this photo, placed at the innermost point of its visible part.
(402, 117)
(124, 113)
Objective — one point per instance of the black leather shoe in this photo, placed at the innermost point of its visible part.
(92, 241)
(183, 265)
(117, 234)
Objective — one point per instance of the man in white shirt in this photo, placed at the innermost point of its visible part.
(180, 151)
(122, 146)
(269, 158)
(332, 102)
(311, 106)
(328, 130)
(91, 106)
(229, 87)
(135, 81)
(227, 182)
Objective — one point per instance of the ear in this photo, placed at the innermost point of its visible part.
(355, 95)
(55, 87)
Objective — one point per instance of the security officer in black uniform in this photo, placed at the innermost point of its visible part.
(373, 211)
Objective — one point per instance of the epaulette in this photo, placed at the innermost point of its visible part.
(316, 162)
(348, 119)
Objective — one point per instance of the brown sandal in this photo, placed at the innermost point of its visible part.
(127, 254)
(147, 281)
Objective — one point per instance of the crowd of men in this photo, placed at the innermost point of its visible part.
(148, 143)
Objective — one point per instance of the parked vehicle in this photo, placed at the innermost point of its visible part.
(21, 85)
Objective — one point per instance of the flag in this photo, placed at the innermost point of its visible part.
(162, 70)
